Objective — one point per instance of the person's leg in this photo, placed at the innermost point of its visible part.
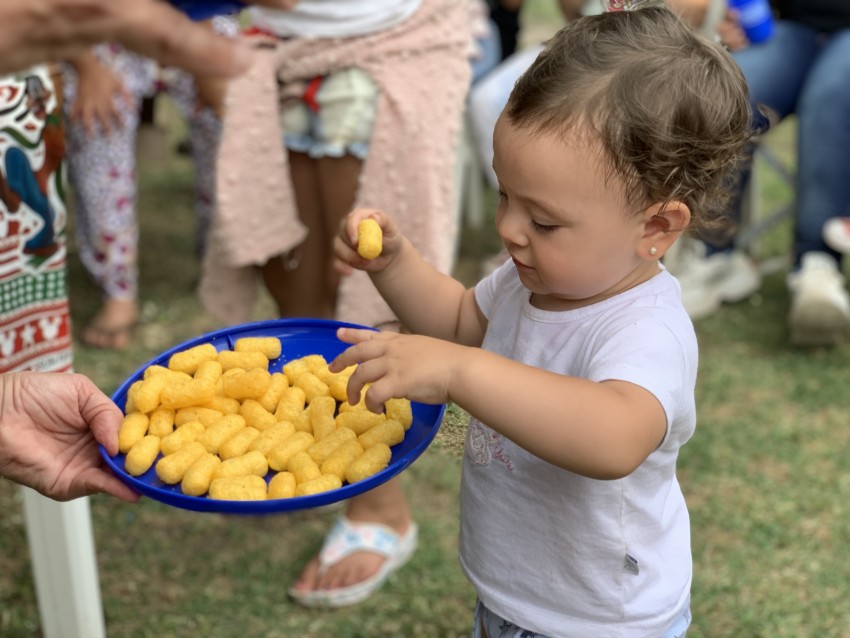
(297, 281)
(820, 306)
(823, 149)
(709, 270)
(102, 171)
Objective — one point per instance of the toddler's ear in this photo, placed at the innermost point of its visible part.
(663, 225)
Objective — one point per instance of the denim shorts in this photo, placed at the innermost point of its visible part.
(333, 116)
(490, 625)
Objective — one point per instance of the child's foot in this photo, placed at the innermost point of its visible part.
(113, 326)
(354, 563)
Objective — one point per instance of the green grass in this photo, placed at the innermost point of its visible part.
(766, 477)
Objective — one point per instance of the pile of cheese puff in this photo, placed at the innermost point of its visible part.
(222, 421)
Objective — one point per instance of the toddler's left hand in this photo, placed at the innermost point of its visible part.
(397, 365)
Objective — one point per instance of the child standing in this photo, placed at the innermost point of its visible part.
(575, 359)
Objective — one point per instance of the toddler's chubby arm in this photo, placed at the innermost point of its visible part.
(425, 300)
(602, 430)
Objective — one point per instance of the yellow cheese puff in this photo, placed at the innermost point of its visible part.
(338, 384)
(271, 397)
(341, 458)
(238, 488)
(359, 420)
(399, 410)
(250, 384)
(223, 404)
(171, 469)
(161, 422)
(251, 463)
(303, 467)
(133, 429)
(147, 396)
(345, 406)
(196, 481)
(238, 444)
(154, 370)
(190, 360)
(302, 422)
(245, 360)
(311, 362)
(389, 433)
(323, 448)
(142, 455)
(312, 386)
(292, 401)
(269, 438)
(372, 461)
(256, 415)
(209, 371)
(218, 432)
(282, 485)
(187, 394)
(207, 416)
(269, 346)
(369, 238)
(182, 436)
(322, 417)
(324, 483)
(283, 451)
(130, 403)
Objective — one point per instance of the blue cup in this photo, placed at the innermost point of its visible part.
(756, 18)
(205, 9)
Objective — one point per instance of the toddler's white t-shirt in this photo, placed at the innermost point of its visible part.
(559, 553)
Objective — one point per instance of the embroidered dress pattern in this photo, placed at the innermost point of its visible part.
(34, 316)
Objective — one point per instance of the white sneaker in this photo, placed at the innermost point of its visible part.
(820, 305)
(836, 234)
(708, 282)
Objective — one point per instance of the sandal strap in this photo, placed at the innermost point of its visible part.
(347, 538)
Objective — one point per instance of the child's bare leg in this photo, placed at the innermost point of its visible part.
(386, 505)
(297, 281)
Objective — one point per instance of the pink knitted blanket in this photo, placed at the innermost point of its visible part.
(422, 70)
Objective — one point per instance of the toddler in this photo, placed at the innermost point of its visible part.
(575, 359)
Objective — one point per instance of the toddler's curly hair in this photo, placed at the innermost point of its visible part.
(670, 107)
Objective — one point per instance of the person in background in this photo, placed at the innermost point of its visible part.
(802, 69)
(368, 102)
(34, 328)
(47, 31)
(104, 90)
(575, 359)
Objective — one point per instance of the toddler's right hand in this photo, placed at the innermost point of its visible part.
(345, 245)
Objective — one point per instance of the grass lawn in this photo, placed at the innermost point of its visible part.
(766, 477)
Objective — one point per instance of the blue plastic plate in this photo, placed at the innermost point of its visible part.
(204, 9)
(299, 338)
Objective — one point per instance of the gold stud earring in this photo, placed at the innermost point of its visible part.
(653, 250)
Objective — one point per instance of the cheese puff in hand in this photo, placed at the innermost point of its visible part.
(383, 248)
(369, 238)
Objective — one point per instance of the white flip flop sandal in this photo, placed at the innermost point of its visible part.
(347, 537)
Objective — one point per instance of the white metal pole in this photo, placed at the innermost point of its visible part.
(64, 563)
